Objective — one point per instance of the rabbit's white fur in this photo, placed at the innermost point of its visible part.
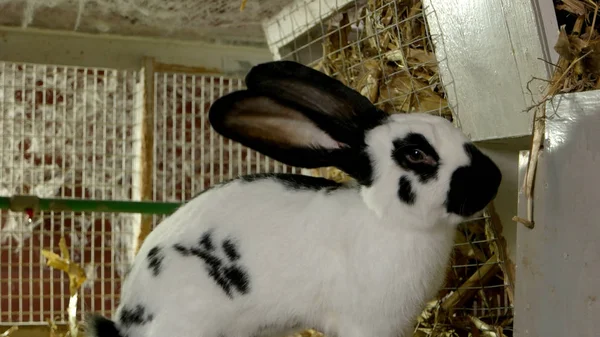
(351, 261)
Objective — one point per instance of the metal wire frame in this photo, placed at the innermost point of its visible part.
(189, 155)
(308, 47)
(65, 133)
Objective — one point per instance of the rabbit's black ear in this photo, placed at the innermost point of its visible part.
(284, 131)
(273, 128)
(339, 110)
(300, 117)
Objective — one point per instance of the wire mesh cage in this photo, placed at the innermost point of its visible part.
(384, 50)
(66, 132)
(73, 132)
(189, 155)
(381, 48)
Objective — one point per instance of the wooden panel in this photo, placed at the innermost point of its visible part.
(120, 52)
(488, 52)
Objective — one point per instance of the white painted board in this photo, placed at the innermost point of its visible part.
(558, 261)
(488, 52)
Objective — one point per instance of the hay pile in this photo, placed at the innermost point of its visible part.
(578, 45)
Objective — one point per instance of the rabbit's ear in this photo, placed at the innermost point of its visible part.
(300, 117)
(337, 109)
(274, 128)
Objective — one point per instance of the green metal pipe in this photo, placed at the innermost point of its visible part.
(4, 203)
(21, 203)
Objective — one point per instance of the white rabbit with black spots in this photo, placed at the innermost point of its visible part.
(273, 253)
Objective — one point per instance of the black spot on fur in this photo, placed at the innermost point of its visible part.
(405, 191)
(230, 250)
(237, 277)
(211, 260)
(206, 241)
(413, 141)
(99, 326)
(136, 316)
(473, 186)
(181, 249)
(213, 266)
(227, 274)
(295, 181)
(358, 165)
(155, 258)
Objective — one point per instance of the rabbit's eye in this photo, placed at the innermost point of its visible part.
(416, 156)
(415, 153)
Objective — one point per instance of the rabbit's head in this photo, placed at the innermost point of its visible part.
(408, 165)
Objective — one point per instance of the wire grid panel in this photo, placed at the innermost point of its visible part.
(66, 132)
(189, 155)
(384, 50)
(476, 280)
(381, 48)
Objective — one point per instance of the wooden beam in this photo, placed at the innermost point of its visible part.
(147, 158)
(121, 52)
(177, 68)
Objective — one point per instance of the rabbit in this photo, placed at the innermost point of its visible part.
(273, 254)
